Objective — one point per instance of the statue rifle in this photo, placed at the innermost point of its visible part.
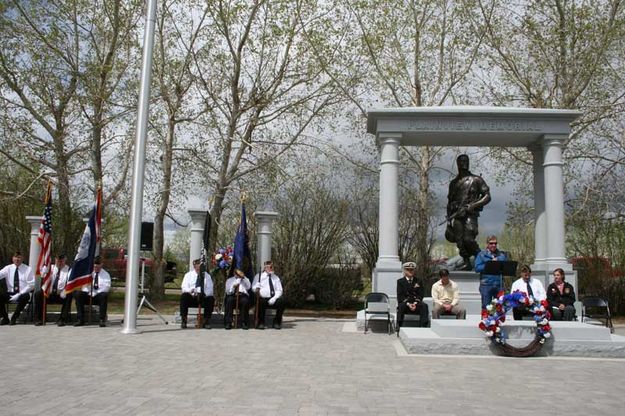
(454, 215)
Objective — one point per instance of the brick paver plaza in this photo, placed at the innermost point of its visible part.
(310, 367)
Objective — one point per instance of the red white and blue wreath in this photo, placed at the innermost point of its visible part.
(495, 314)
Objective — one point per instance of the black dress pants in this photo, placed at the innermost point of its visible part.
(264, 305)
(22, 301)
(53, 299)
(520, 312)
(421, 310)
(82, 299)
(187, 301)
(244, 308)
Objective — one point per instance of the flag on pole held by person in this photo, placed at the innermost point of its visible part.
(81, 273)
(45, 243)
(203, 267)
(242, 259)
(205, 238)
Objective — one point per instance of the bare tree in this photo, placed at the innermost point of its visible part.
(261, 88)
(309, 233)
(108, 61)
(561, 54)
(39, 67)
(399, 54)
(175, 46)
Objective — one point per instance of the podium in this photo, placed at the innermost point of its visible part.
(504, 268)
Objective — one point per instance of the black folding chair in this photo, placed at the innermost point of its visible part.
(594, 307)
(378, 307)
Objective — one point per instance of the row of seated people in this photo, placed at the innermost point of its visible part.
(560, 294)
(17, 283)
(197, 290)
(446, 299)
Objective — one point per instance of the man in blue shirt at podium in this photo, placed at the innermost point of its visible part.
(490, 284)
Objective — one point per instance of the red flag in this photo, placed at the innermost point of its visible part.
(45, 242)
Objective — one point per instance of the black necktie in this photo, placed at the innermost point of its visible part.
(95, 281)
(16, 280)
(271, 290)
(55, 287)
(199, 282)
(529, 289)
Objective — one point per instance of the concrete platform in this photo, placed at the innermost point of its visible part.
(464, 337)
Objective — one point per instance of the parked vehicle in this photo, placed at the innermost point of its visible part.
(115, 260)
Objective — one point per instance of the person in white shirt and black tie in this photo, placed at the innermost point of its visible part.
(16, 282)
(98, 290)
(197, 290)
(268, 289)
(531, 287)
(241, 284)
(60, 272)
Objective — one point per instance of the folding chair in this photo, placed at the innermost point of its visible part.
(594, 307)
(378, 307)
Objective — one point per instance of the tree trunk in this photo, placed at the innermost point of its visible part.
(158, 282)
(219, 195)
(67, 242)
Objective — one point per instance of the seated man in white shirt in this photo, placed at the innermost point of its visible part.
(98, 291)
(533, 288)
(268, 289)
(240, 284)
(446, 297)
(197, 291)
(16, 282)
(57, 295)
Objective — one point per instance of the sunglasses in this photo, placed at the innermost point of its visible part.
(491, 243)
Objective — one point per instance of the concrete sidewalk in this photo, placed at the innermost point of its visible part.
(310, 367)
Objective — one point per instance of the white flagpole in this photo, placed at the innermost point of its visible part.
(136, 210)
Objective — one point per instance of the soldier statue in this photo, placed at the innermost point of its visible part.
(468, 193)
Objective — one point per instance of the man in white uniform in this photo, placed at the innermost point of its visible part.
(237, 284)
(268, 289)
(98, 291)
(531, 287)
(197, 291)
(58, 279)
(16, 282)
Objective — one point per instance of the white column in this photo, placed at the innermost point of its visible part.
(540, 219)
(554, 201)
(388, 267)
(389, 200)
(264, 220)
(35, 248)
(198, 218)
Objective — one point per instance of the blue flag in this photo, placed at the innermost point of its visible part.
(242, 259)
(80, 274)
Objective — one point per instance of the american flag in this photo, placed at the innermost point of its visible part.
(45, 242)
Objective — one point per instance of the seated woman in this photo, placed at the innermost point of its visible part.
(561, 297)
